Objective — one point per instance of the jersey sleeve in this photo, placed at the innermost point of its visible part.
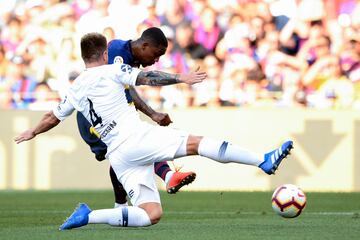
(125, 74)
(63, 110)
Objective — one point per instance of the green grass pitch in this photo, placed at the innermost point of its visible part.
(187, 215)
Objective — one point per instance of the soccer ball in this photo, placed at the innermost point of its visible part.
(288, 201)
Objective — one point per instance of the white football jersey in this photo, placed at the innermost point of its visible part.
(101, 95)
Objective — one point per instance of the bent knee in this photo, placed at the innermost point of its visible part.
(192, 145)
(153, 210)
(155, 217)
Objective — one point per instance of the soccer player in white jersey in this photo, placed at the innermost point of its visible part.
(136, 53)
(134, 145)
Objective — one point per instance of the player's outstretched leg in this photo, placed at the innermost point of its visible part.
(178, 180)
(273, 159)
(225, 152)
(78, 218)
(129, 216)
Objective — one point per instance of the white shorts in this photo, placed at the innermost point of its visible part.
(133, 161)
(139, 183)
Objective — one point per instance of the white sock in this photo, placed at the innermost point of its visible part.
(122, 216)
(168, 176)
(116, 205)
(224, 152)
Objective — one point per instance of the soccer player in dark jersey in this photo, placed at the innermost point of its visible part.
(144, 52)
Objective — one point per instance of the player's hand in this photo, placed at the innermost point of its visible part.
(162, 119)
(193, 77)
(25, 136)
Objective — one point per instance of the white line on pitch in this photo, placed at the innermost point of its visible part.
(254, 213)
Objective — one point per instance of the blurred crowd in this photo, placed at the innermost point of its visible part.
(256, 53)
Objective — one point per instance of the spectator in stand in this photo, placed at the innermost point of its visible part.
(284, 72)
(194, 9)
(307, 24)
(109, 33)
(173, 61)
(235, 48)
(325, 68)
(152, 20)
(318, 71)
(37, 52)
(257, 30)
(237, 30)
(353, 72)
(336, 91)
(3, 61)
(21, 85)
(66, 62)
(126, 15)
(12, 35)
(207, 93)
(254, 91)
(66, 22)
(81, 7)
(5, 97)
(44, 98)
(167, 61)
(231, 88)
(96, 18)
(174, 14)
(262, 10)
(307, 51)
(208, 32)
(186, 45)
(350, 57)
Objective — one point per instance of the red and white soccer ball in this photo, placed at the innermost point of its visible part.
(288, 201)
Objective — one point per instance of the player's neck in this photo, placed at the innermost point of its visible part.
(93, 64)
(135, 46)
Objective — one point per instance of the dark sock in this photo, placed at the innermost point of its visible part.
(119, 191)
(161, 169)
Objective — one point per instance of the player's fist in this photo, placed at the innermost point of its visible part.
(162, 119)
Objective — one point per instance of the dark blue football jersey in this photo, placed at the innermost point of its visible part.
(120, 51)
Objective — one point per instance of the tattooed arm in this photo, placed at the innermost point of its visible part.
(157, 78)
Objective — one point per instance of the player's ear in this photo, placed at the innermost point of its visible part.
(144, 45)
(105, 56)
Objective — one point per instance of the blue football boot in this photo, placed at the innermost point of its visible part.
(273, 159)
(78, 218)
